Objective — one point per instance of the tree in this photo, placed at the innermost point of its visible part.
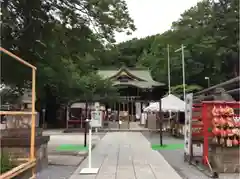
(64, 39)
(208, 30)
(178, 89)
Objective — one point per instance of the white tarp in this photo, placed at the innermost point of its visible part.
(169, 103)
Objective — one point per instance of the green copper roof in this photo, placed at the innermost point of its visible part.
(139, 84)
(144, 75)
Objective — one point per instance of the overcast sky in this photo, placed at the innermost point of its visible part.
(154, 16)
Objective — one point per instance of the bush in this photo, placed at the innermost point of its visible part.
(6, 164)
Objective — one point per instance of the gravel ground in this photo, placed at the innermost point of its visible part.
(175, 158)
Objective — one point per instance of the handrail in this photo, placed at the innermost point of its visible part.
(17, 58)
(32, 158)
(218, 85)
(18, 170)
(16, 113)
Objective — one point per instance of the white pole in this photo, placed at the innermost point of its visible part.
(89, 170)
(183, 71)
(90, 147)
(169, 84)
(169, 79)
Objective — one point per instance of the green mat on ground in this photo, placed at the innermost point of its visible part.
(71, 147)
(167, 146)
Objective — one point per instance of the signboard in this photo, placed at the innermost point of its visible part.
(188, 124)
(96, 118)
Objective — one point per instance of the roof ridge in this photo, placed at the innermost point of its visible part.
(129, 68)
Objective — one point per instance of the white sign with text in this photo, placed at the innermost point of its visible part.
(96, 118)
(188, 124)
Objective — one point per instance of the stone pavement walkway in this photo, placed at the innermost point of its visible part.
(126, 155)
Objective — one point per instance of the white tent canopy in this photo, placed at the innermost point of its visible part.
(169, 103)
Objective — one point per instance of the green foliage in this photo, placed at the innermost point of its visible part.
(6, 164)
(64, 40)
(209, 31)
(69, 40)
(178, 89)
(10, 94)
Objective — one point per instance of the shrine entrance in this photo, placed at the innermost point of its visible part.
(122, 113)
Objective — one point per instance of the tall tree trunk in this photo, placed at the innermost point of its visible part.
(51, 109)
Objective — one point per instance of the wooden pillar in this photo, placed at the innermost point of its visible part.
(124, 104)
(119, 108)
(67, 117)
(127, 106)
(132, 113)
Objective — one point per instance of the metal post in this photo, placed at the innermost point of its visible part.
(169, 79)
(89, 170)
(160, 121)
(183, 71)
(85, 133)
(90, 148)
(86, 125)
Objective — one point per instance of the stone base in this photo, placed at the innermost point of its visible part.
(225, 160)
(19, 132)
(16, 142)
(88, 171)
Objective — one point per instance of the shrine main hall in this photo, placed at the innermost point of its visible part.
(136, 88)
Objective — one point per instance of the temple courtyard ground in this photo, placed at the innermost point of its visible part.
(119, 155)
